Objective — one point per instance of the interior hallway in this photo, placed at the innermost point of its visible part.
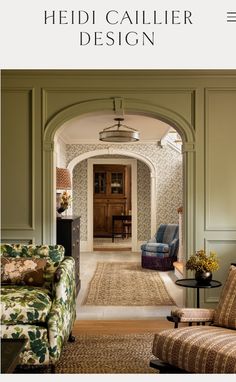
(88, 261)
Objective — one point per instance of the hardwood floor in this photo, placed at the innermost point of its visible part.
(120, 326)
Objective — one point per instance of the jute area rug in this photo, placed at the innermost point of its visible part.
(129, 353)
(123, 284)
(105, 354)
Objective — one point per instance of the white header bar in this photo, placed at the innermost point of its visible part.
(69, 34)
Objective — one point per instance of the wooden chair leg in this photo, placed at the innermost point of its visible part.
(53, 369)
(71, 338)
(173, 319)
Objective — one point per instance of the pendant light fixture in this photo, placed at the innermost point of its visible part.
(119, 133)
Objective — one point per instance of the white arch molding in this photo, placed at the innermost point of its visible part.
(114, 151)
(134, 106)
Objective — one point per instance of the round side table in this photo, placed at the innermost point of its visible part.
(192, 283)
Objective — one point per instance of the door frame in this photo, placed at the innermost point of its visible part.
(88, 244)
(90, 201)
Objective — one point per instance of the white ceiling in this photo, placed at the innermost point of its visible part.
(86, 128)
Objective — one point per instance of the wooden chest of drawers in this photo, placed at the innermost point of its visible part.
(68, 235)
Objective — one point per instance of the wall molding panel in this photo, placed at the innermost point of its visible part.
(199, 104)
(25, 210)
(220, 159)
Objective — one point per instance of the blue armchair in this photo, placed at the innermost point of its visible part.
(161, 251)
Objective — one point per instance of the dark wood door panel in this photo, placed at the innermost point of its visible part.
(100, 219)
(111, 197)
(117, 208)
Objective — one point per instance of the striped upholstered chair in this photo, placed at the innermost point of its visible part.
(204, 348)
(161, 251)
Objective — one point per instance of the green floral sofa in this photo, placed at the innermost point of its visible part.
(38, 297)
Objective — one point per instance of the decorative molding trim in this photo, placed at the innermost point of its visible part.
(207, 226)
(187, 147)
(207, 297)
(84, 246)
(17, 240)
(48, 146)
(31, 94)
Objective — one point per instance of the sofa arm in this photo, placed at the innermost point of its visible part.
(63, 311)
(193, 314)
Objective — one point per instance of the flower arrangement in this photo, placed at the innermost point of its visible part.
(65, 200)
(201, 262)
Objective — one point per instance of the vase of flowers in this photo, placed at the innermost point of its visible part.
(64, 203)
(203, 265)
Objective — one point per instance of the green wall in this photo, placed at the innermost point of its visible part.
(200, 104)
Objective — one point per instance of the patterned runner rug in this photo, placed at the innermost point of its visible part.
(122, 284)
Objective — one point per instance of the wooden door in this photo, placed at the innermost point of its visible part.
(100, 220)
(111, 197)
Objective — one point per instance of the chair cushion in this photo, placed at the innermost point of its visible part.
(20, 271)
(54, 254)
(24, 304)
(225, 313)
(155, 247)
(193, 314)
(198, 349)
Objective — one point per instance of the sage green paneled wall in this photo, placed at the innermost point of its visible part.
(204, 100)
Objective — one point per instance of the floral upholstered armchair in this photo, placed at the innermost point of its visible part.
(37, 300)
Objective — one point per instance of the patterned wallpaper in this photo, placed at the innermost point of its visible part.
(168, 163)
(79, 186)
(143, 201)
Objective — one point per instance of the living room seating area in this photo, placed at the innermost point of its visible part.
(203, 348)
(37, 300)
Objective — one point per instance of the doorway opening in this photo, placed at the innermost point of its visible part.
(175, 120)
(112, 207)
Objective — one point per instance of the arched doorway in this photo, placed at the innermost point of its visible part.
(124, 153)
(135, 106)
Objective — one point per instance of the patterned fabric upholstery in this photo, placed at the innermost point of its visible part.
(192, 314)
(54, 254)
(36, 350)
(203, 349)
(44, 316)
(156, 247)
(163, 246)
(24, 305)
(225, 314)
(19, 271)
(197, 349)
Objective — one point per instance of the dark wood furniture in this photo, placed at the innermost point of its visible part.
(192, 283)
(68, 235)
(165, 368)
(112, 196)
(124, 219)
(10, 351)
